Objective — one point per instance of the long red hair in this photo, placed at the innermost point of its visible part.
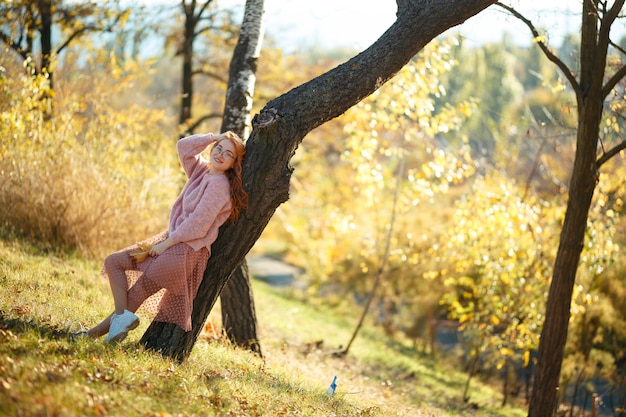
(238, 196)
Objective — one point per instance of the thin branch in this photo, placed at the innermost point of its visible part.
(74, 36)
(605, 27)
(204, 6)
(535, 167)
(383, 263)
(199, 121)
(613, 81)
(198, 18)
(201, 19)
(202, 30)
(14, 45)
(610, 16)
(618, 47)
(214, 75)
(544, 47)
(610, 154)
(91, 28)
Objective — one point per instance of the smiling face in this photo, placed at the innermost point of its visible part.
(223, 156)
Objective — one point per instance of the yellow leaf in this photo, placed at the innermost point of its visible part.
(540, 39)
(507, 352)
(465, 317)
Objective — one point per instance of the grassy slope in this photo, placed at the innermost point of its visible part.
(45, 296)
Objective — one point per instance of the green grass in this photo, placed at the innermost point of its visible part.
(44, 296)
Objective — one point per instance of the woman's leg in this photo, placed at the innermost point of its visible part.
(138, 293)
(101, 329)
(115, 266)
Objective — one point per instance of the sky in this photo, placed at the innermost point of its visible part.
(358, 23)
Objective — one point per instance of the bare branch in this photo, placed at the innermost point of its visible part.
(91, 28)
(613, 81)
(214, 75)
(202, 30)
(204, 6)
(198, 121)
(610, 154)
(610, 16)
(544, 47)
(203, 19)
(605, 27)
(618, 47)
(14, 45)
(74, 35)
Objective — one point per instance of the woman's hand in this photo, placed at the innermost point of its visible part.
(161, 247)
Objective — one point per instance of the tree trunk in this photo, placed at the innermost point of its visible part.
(590, 96)
(242, 70)
(187, 53)
(279, 129)
(238, 313)
(45, 11)
(554, 332)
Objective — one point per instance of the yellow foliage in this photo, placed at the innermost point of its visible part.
(92, 177)
(507, 352)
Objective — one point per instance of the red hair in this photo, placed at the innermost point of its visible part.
(238, 196)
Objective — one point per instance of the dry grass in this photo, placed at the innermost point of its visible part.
(84, 181)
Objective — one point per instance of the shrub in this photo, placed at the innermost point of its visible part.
(83, 175)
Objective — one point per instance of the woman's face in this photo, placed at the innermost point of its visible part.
(223, 156)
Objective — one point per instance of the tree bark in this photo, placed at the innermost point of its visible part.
(238, 312)
(279, 129)
(45, 12)
(590, 94)
(237, 300)
(187, 52)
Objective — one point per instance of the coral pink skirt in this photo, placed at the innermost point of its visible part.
(166, 285)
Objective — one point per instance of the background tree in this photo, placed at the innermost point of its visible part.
(199, 19)
(237, 300)
(486, 75)
(24, 22)
(591, 90)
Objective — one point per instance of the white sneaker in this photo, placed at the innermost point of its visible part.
(121, 324)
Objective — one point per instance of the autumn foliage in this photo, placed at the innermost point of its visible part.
(95, 176)
(450, 182)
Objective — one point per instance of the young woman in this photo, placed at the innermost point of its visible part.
(163, 273)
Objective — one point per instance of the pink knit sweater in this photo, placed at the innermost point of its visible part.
(204, 204)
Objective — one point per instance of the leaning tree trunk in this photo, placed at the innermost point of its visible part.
(590, 95)
(279, 129)
(237, 300)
